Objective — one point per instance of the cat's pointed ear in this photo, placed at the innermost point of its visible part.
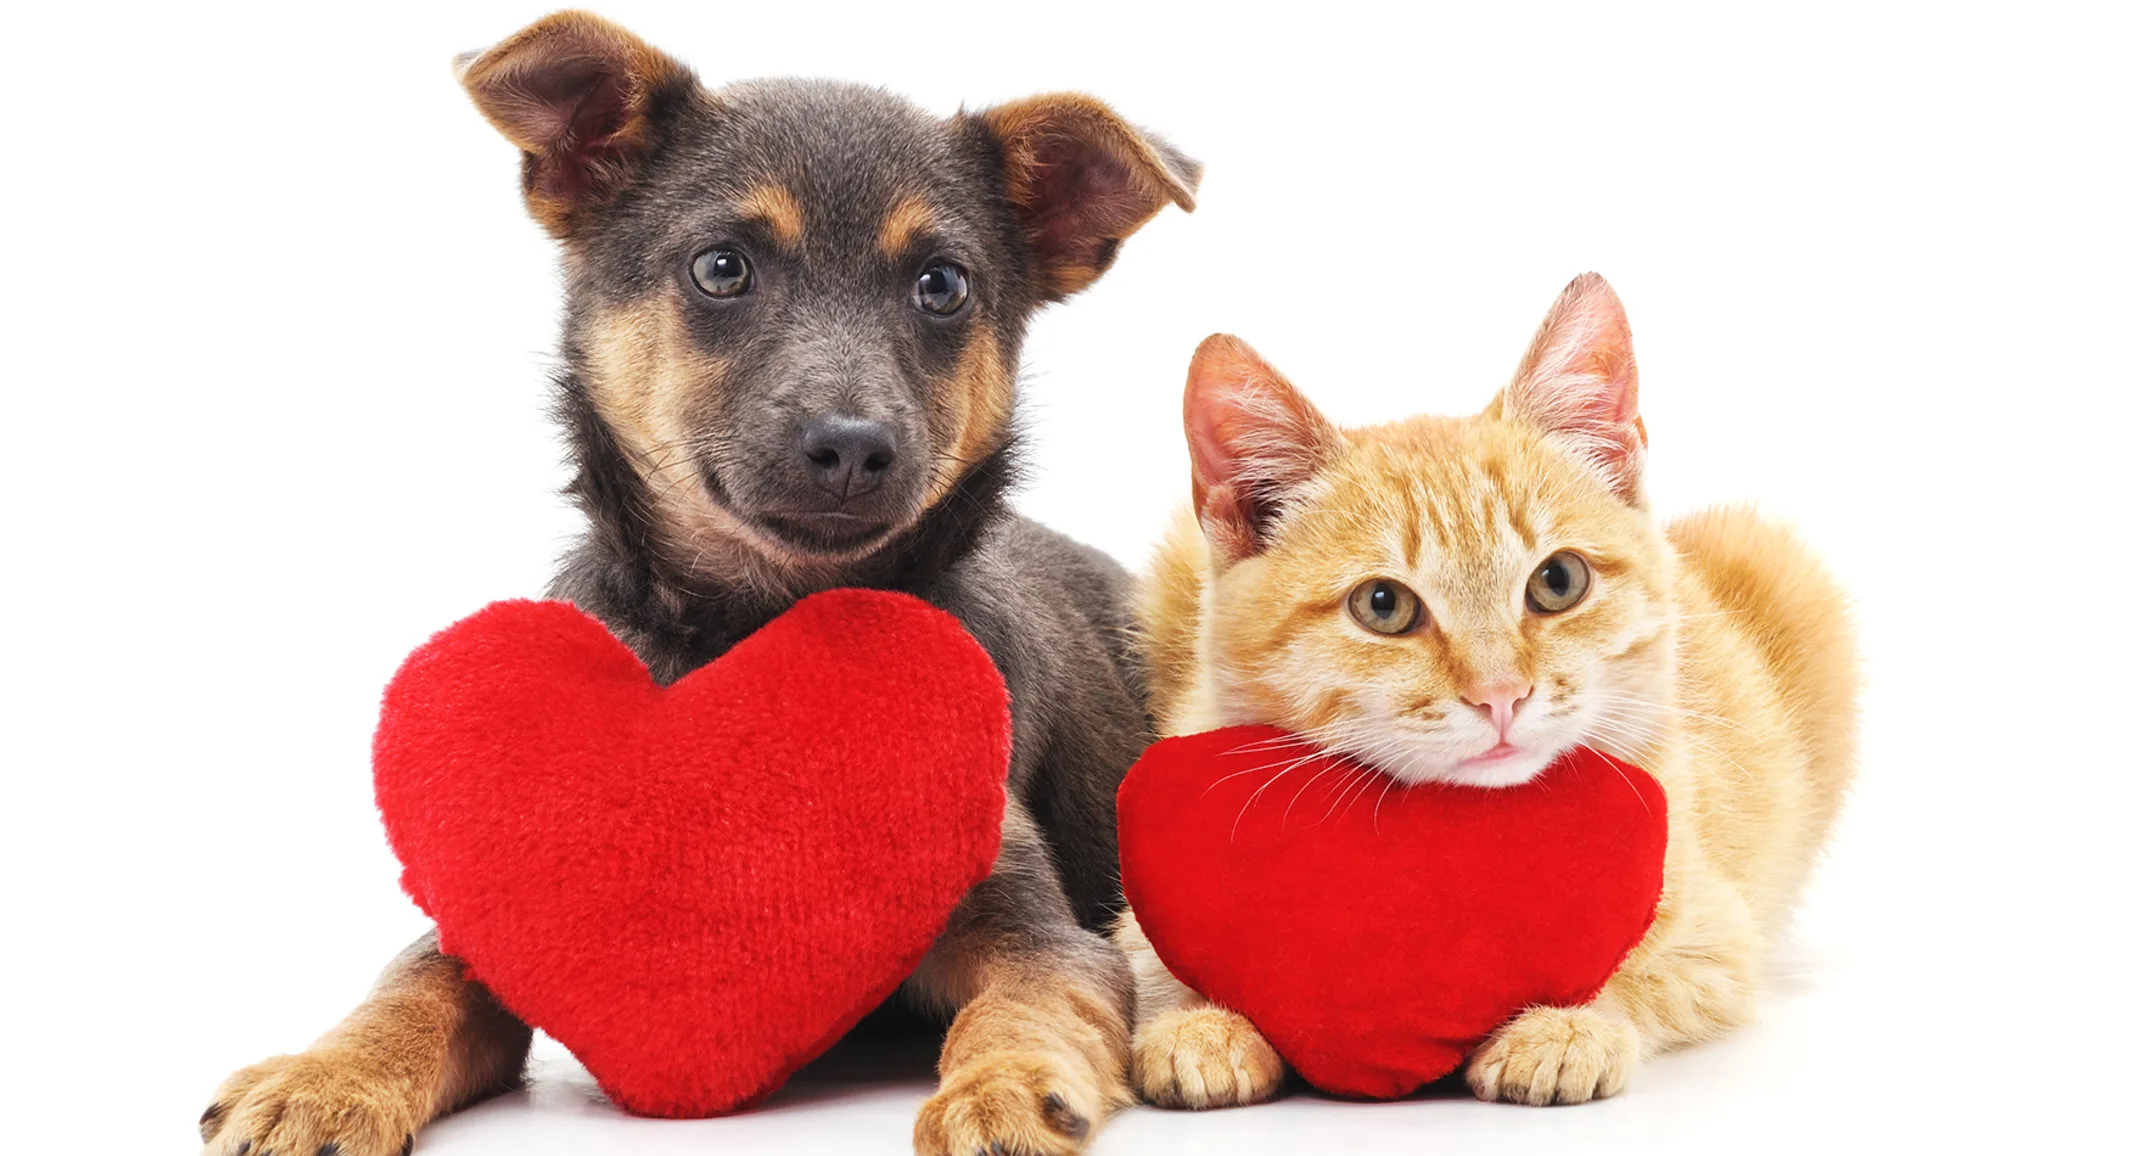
(1253, 442)
(580, 97)
(1577, 384)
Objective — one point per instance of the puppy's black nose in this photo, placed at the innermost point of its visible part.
(847, 455)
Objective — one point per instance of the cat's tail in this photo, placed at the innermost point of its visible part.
(1799, 617)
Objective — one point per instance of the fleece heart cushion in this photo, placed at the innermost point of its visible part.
(696, 888)
(1376, 933)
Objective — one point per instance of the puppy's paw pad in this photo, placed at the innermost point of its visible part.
(1007, 1106)
(1555, 1055)
(308, 1105)
(1206, 1057)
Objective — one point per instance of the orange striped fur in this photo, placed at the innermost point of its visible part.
(1714, 651)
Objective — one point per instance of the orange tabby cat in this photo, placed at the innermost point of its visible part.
(1463, 599)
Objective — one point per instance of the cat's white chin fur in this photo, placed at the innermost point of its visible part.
(1509, 770)
(1414, 756)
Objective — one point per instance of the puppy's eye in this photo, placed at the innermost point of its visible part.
(1383, 606)
(941, 289)
(721, 273)
(1558, 584)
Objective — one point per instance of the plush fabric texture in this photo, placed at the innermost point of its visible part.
(696, 888)
(1376, 936)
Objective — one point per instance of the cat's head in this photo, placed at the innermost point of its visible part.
(1449, 598)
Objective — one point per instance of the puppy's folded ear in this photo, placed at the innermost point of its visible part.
(1081, 179)
(581, 98)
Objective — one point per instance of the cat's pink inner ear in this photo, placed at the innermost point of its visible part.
(1252, 438)
(1578, 382)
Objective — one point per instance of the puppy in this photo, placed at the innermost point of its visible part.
(794, 317)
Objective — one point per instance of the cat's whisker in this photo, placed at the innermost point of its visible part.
(1278, 742)
(1352, 776)
(1622, 697)
(1302, 753)
(1376, 819)
(1364, 783)
(1312, 780)
(1283, 766)
(1615, 765)
(1632, 739)
(1249, 803)
(1614, 728)
(1338, 736)
(1255, 770)
(1613, 714)
(1321, 735)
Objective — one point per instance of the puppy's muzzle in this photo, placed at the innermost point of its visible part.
(847, 456)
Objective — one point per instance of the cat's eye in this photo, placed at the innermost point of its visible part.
(1383, 606)
(721, 273)
(942, 289)
(1558, 584)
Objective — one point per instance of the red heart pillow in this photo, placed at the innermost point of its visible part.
(695, 888)
(1376, 933)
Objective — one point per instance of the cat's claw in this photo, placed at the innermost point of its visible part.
(1556, 1055)
(1205, 1057)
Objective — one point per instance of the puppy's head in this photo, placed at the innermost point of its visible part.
(795, 307)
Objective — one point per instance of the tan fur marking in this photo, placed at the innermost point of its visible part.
(538, 125)
(1025, 127)
(646, 377)
(649, 379)
(426, 1041)
(1411, 531)
(976, 408)
(777, 209)
(909, 220)
(1038, 1054)
(1035, 1060)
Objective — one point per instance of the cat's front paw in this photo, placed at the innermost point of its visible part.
(1556, 1055)
(1205, 1057)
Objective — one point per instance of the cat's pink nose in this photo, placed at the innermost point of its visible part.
(1500, 702)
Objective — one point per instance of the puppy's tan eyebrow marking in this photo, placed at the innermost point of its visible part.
(776, 206)
(908, 219)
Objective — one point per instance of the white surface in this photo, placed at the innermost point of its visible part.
(1785, 1084)
(276, 334)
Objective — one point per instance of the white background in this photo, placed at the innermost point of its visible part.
(277, 330)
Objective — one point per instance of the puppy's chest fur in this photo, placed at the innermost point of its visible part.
(1052, 614)
(794, 310)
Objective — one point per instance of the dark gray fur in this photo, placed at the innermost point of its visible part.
(1052, 614)
(832, 329)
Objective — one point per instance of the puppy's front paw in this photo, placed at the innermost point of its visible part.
(1204, 1057)
(308, 1105)
(1015, 1105)
(1556, 1055)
